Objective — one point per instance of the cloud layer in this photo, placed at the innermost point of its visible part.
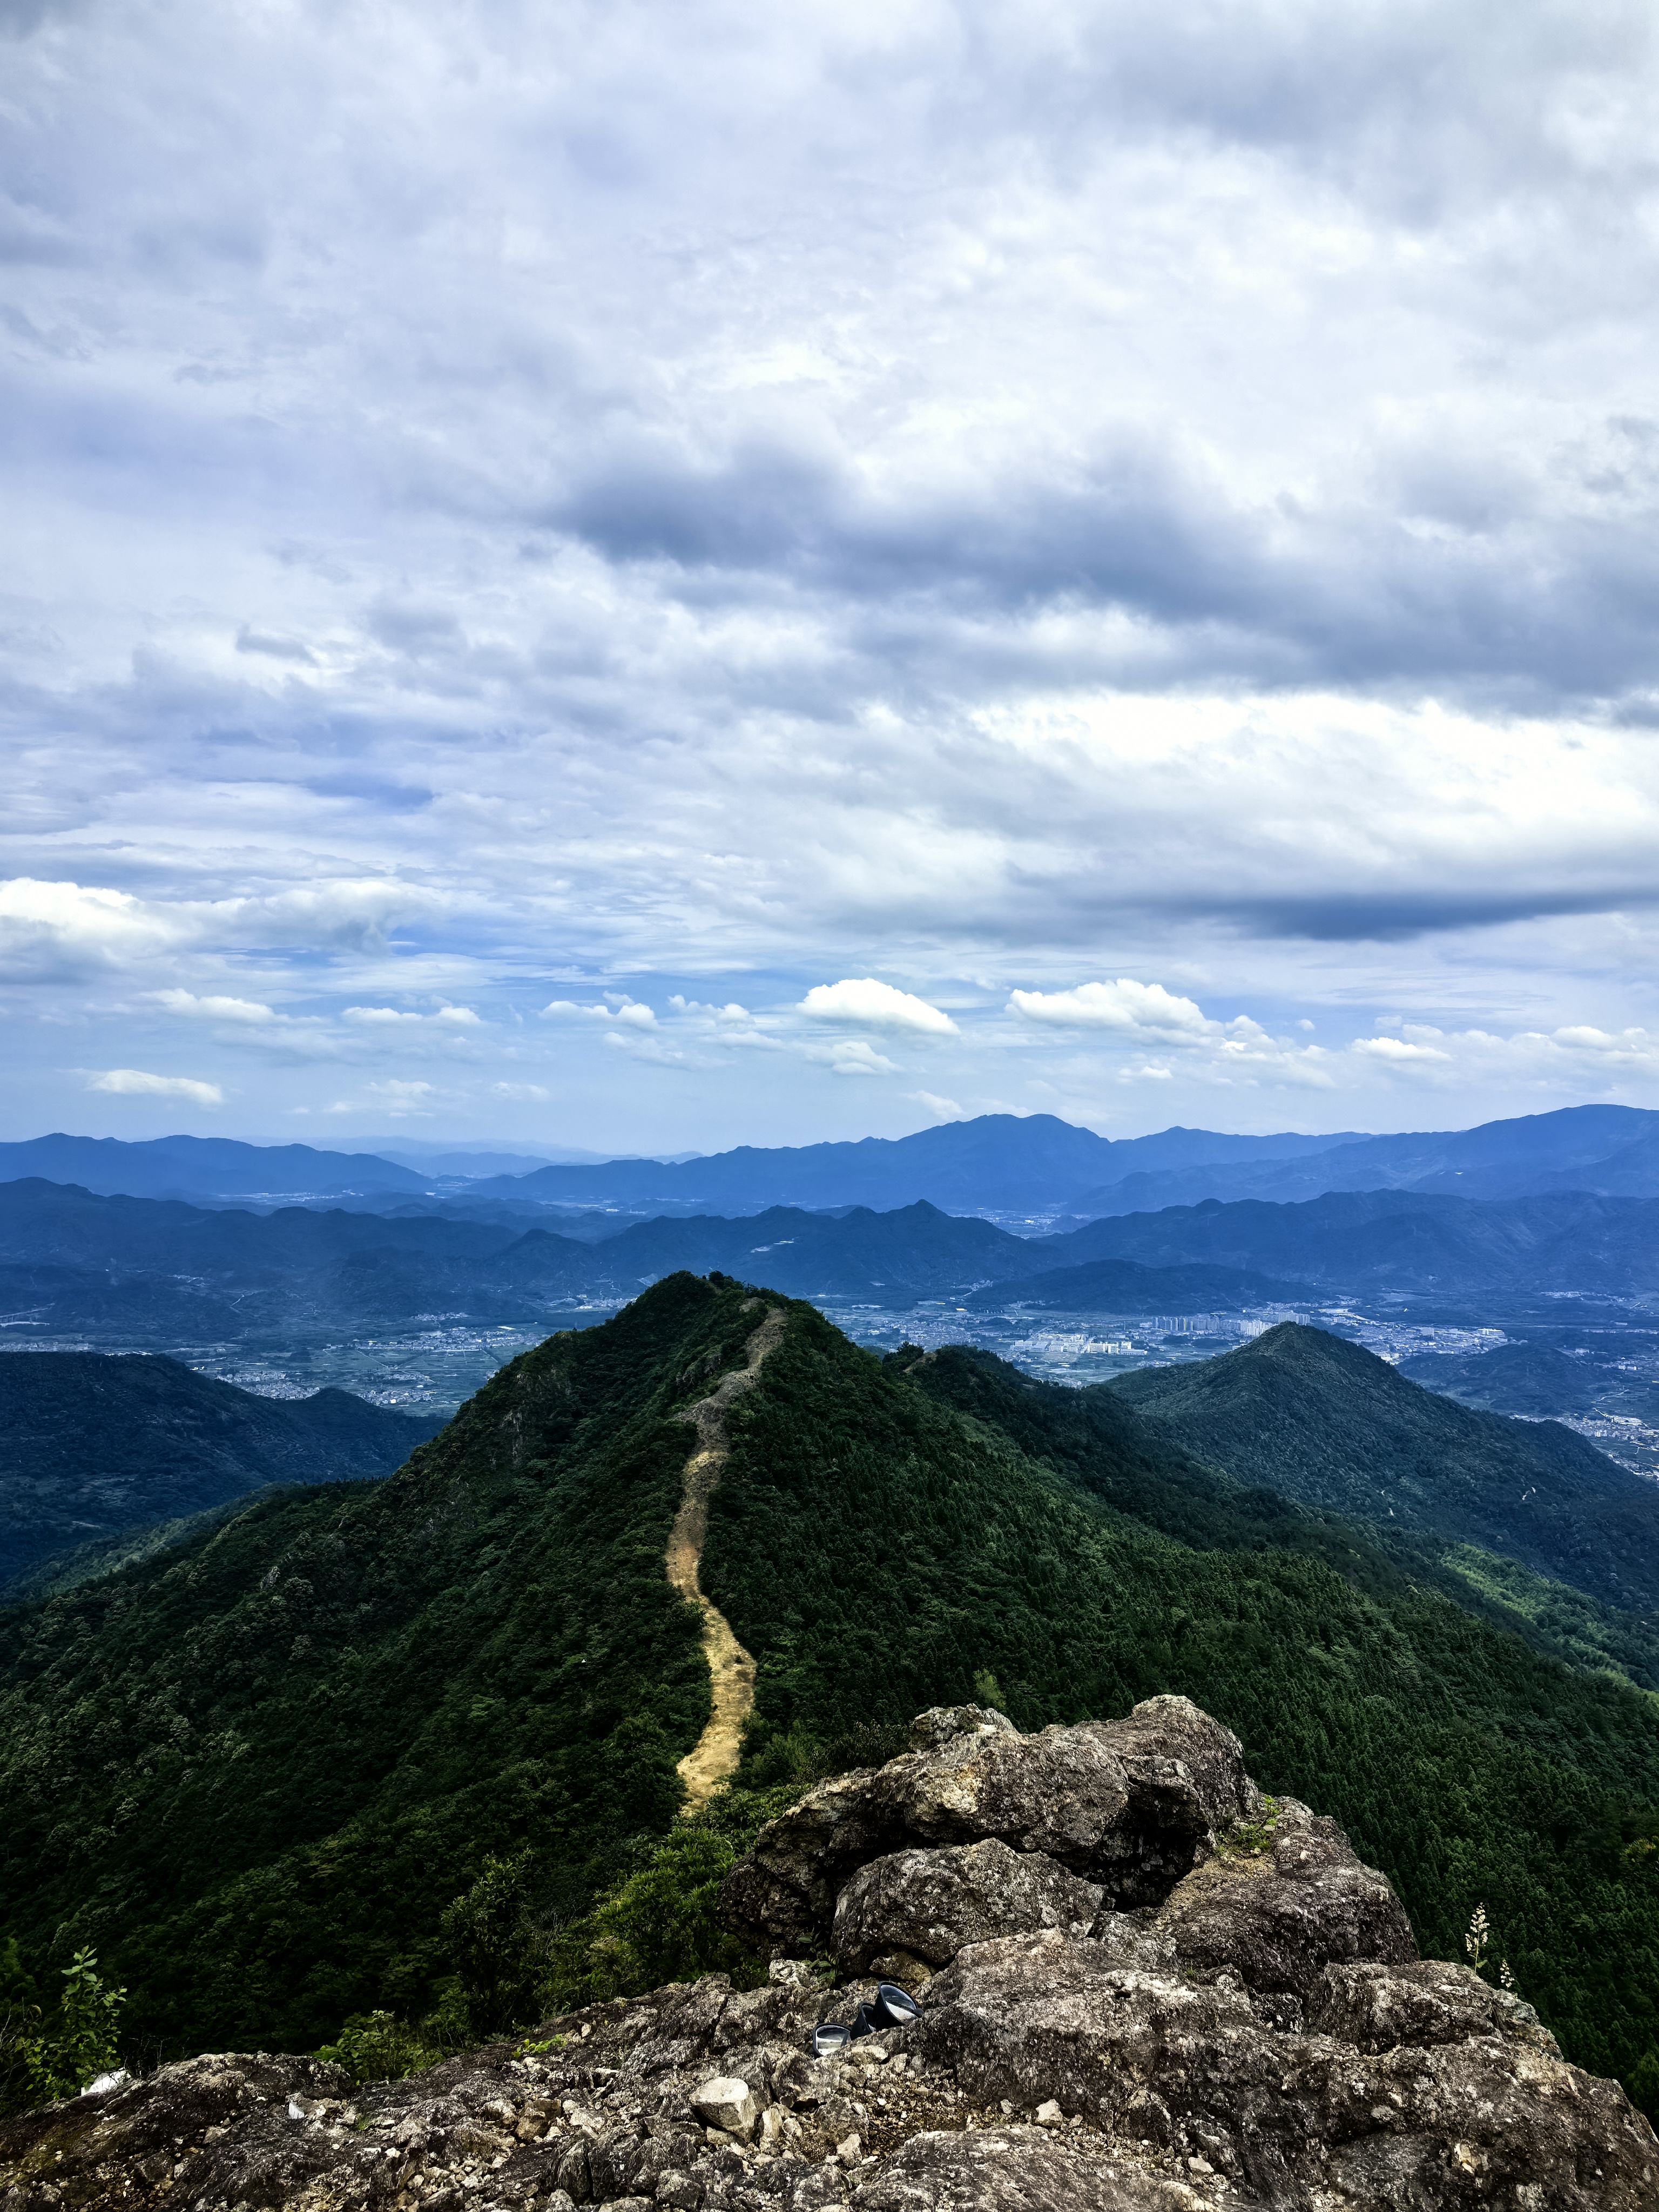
(1017, 553)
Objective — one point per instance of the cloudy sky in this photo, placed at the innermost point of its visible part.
(670, 574)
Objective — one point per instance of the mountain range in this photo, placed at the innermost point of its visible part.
(206, 1167)
(1425, 1243)
(167, 1272)
(163, 1272)
(1010, 1165)
(254, 1770)
(1035, 1166)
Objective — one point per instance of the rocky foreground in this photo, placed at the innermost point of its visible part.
(1143, 1987)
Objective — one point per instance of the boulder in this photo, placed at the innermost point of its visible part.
(928, 1903)
(1127, 1804)
(1279, 1917)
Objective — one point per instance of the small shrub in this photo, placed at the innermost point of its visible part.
(1251, 1838)
(373, 2046)
(59, 2060)
(658, 1925)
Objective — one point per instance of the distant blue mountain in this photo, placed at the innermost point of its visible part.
(205, 1167)
(1611, 1152)
(1035, 1166)
(997, 1163)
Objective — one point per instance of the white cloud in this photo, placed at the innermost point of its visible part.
(133, 1082)
(1009, 549)
(855, 1057)
(49, 930)
(1123, 1006)
(1396, 1049)
(395, 1095)
(529, 1093)
(620, 1010)
(462, 1017)
(942, 1109)
(869, 1004)
(731, 1011)
(252, 1011)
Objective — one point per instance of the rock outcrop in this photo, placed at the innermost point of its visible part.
(1127, 1804)
(1143, 1987)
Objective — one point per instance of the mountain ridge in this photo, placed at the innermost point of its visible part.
(318, 1721)
(1329, 1425)
(97, 1445)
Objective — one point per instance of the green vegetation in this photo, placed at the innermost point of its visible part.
(402, 1756)
(875, 1550)
(658, 1924)
(1328, 1424)
(1598, 1638)
(96, 1448)
(42, 2059)
(256, 1770)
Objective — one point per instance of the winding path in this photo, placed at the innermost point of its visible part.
(713, 1757)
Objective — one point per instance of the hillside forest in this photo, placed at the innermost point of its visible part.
(408, 1748)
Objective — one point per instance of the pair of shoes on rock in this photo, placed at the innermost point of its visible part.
(893, 2008)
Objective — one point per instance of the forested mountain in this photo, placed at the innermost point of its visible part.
(92, 1445)
(165, 1273)
(1328, 1423)
(1532, 1379)
(255, 1770)
(1009, 1163)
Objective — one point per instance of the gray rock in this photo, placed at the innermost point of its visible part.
(1191, 2069)
(727, 2102)
(1029, 2018)
(1012, 2169)
(1378, 2008)
(942, 1724)
(1130, 1804)
(1280, 1918)
(1262, 2037)
(928, 1903)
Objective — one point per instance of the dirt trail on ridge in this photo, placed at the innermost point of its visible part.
(713, 1759)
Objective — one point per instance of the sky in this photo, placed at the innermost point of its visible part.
(657, 576)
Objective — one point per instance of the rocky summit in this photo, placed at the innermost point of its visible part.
(1142, 1986)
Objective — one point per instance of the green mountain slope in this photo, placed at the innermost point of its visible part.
(93, 1446)
(1516, 1378)
(253, 1772)
(1328, 1423)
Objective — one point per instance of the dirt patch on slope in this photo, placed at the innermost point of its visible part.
(713, 1759)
